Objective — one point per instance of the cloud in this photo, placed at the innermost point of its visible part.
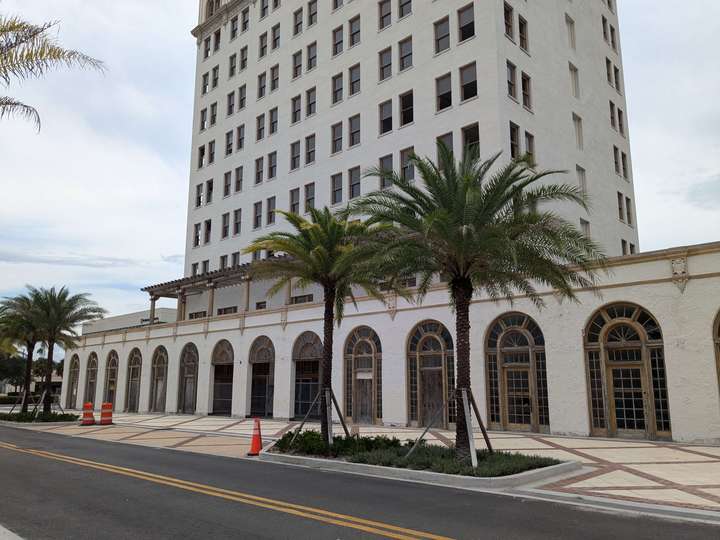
(705, 194)
(68, 260)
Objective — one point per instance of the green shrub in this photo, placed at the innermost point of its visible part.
(12, 400)
(311, 443)
(39, 417)
(389, 452)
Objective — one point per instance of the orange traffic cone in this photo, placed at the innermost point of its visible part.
(256, 444)
(88, 418)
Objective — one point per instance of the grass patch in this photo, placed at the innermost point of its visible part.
(39, 417)
(391, 452)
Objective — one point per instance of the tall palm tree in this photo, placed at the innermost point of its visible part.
(333, 253)
(482, 232)
(19, 324)
(28, 51)
(59, 313)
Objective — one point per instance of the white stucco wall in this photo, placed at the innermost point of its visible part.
(686, 318)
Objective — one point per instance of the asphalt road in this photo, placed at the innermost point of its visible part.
(66, 487)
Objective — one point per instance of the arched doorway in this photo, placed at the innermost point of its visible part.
(430, 375)
(73, 379)
(132, 399)
(187, 388)
(158, 380)
(91, 379)
(307, 357)
(111, 376)
(363, 376)
(516, 375)
(625, 364)
(222, 361)
(262, 361)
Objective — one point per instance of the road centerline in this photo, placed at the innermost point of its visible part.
(318, 514)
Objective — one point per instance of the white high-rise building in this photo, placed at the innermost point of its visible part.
(294, 101)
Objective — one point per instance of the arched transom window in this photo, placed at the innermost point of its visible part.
(91, 378)
(430, 375)
(363, 376)
(158, 383)
(625, 363)
(307, 357)
(516, 374)
(262, 385)
(73, 379)
(111, 377)
(187, 389)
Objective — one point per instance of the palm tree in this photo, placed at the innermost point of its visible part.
(333, 253)
(481, 232)
(19, 324)
(28, 51)
(59, 313)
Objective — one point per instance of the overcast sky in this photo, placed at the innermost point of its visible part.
(97, 200)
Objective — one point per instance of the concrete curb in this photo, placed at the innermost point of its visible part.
(440, 479)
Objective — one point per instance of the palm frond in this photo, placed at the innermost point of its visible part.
(13, 108)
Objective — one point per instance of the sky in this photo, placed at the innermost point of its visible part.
(97, 200)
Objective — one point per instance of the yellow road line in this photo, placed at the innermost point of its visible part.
(318, 514)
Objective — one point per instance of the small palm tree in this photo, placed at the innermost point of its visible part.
(333, 253)
(58, 314)
(481, 232)
(28, 51)
(19, 324)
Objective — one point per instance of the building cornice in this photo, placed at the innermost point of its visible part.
(221, 16)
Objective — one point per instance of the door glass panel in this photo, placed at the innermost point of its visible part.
(363, 400)
(518, 396)
(307, 385)
(222, 389)
(432, 397)
(628, 396)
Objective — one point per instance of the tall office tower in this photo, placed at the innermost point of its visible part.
(294, 100)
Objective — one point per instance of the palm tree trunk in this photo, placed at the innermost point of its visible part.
(462, 294)
(30, 346)
(326, 368)
(47, 402)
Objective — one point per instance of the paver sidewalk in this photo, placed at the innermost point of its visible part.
(682, 476)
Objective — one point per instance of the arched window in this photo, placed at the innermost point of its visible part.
(625, 364)
(91, 379)
(307, 357)
(262, 386)
(187, 387)
(363, 376)
(73, 379)
(516, 375)
(430, 375)
(111, 376)
(223, 358)
(158, 382)
(132, 399)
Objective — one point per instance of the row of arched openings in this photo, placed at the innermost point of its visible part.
(624, 361)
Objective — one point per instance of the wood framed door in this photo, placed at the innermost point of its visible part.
(222, 389)
(261, 395)
(363, 399)
(628, 397)
(517, 386)
(307, 386)
(432, 397)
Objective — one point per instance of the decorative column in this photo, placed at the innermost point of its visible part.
(211, 299)
(246, 306)
(181, 306)
(153, 299)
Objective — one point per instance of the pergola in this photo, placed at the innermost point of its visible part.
(208, 282)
